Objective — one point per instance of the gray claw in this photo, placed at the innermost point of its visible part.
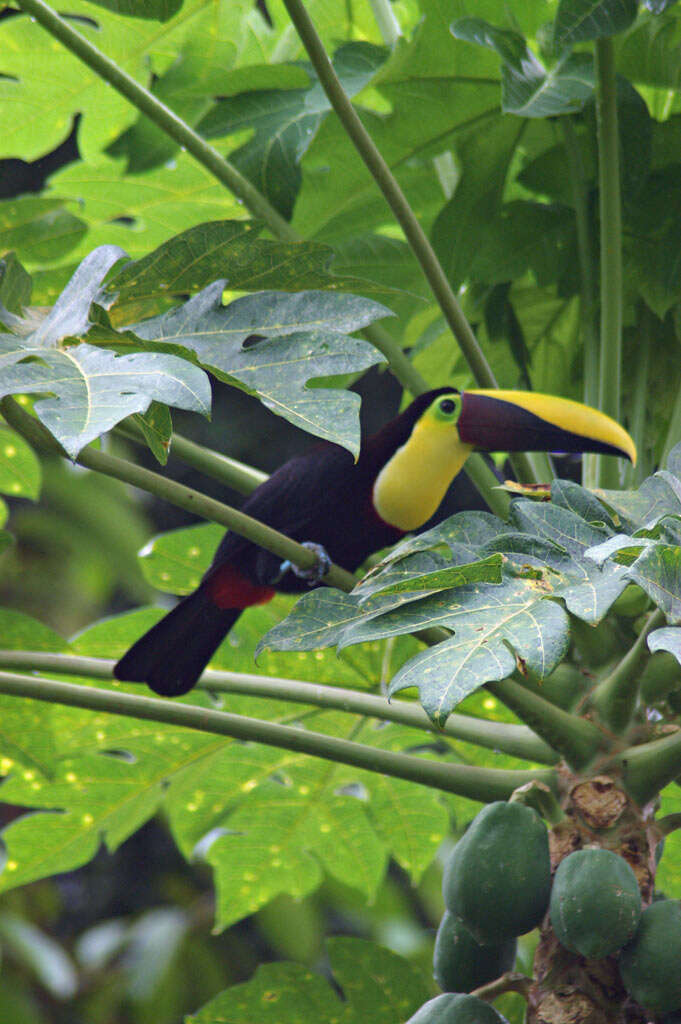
(317, 573)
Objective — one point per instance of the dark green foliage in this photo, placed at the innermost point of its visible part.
(564, 686)
(595, 903)
(649, 965)
(461, 964)
(456, 1009)
(498, 879)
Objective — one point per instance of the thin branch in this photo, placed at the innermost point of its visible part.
(225, 470)
(577, 739)
(485, 784)
(610, 366)
(517, 740)
(639, 407)
(615, 696)
(177, 494)
(668, 824)
(649, 767)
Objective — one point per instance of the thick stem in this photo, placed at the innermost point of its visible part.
(649, 767)
(485, 784)
(673, 431)
(587, 304)
(509, 982)
(637, 417)
(615, 697)
(387, 22)
(577, 739)
(611, 247)
(177, 494)
(227, 471)
(516, 740)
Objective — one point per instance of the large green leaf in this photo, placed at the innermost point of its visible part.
(196, 257)
(39, 229)
(175, 561)
(284, 123)
(92, 389)
(20, 472)
(376, 985)
(16, 286)
(306, 337)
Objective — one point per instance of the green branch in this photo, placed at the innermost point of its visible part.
(649, 767)
(177, 494)
(611, 247)
(615, 697)
(485, 784)
(227, 471)
(516, 740)
(577, 739)
(639, 408)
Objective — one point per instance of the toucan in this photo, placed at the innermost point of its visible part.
(347, 510)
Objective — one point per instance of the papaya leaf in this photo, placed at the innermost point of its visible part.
(306, 336)
(92, 389)
(200, 255)
(658, 571)
(20, 472)
(577, 20)
(157, 426)
(284, 123)
(176, 560)
(668, 638)
(527, 88)
(15, 285)
(39, 229)
(376, 984)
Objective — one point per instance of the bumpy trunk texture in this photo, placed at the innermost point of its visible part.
(568, 988)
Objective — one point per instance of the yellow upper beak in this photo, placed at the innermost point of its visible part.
(496, 420)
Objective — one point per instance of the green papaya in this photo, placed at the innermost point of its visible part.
(498, 879)
(595, 903)
(650, 965)
(453, 1008)
(661, 675)
(461, 964)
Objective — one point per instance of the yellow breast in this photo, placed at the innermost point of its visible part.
(411, 485)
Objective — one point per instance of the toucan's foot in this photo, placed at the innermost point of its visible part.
(311, 576)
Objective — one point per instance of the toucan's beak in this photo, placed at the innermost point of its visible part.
(512, 421)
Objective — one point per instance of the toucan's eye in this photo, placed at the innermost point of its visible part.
(447, 406)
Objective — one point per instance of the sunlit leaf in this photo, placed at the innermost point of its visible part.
(20, 473)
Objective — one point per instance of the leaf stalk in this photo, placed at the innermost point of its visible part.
(503, 737)
(485, 784)
(609, 381)
(649, 767)
(615, 697)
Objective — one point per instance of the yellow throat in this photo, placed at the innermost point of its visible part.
(411, 485)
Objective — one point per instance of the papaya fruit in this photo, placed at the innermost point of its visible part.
(661, 675)
(595, 903)
(650, 965)
(498, 879)
(461, 964)
(456, 1008)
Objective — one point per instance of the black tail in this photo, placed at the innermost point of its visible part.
(172, 655)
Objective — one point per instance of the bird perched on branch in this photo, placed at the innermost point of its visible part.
(346, 510)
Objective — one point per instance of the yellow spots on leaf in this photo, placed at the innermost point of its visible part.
(165, 576)
(10, 451)
(22, 399)
(194, 552)
(194, 582)
(275, 849)
(270, 997)
(11, 865)
(100, 735)
(6, 764)
(15, 488)
(29, 775)
(247, 786)
(489, 704)
(249, 876)
(434, 839)
(303, 790)
(36, 785)
(87, 820)
(192, 807)
(276, 862)
(325, 828)
(319, 655)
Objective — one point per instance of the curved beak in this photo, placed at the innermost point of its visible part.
(512, 421)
